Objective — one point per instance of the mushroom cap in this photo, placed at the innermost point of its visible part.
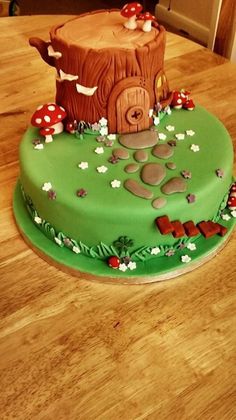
(148, 16)
(45, 131)
(131, 9)
(189, 104)
(177, 98)
(47, 115)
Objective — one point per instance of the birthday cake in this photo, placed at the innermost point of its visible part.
(121, 177)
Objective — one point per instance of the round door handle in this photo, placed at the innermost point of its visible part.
(135, 115)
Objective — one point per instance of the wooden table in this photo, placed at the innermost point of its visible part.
(73, 349)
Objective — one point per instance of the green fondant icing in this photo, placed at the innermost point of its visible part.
(153, 267)
(120, 247)
(107, 213)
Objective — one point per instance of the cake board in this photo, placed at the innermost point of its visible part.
(154, 270)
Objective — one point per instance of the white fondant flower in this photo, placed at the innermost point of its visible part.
(191, 247)
(58, 241)
(47, 186)
(103, 131)
(168, 110)
(39, 146)
(156, 250)
(180, 136)
(123, 267)
(103, 122)
(233, 213)
(115, 183)
(76, 249)
(185, 259)
(170, 128)
(99, 150)
(226, 217)
(195, 147)
(111, 137)
(190, 133)
(132, 265)
(156, 120)
(102, 169)
(38, 220)
(162, 136)
(150, 113)
(83, 165)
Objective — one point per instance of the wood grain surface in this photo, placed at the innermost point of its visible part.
(74, 349)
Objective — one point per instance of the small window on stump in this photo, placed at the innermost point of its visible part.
(161, 87)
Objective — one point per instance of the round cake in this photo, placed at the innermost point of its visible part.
(128, 187)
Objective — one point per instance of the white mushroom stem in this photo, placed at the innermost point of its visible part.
(48, 138)
(58, 127)
(147, 26)
(131, 23)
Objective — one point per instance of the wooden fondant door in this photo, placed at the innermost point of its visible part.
(132, 109)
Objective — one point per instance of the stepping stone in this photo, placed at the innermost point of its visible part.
(141, 140)
(135, 188)
(141, 156)
(158, 203)
(153, 173)
(121, 153)
(174, 185)
(163, 151)
(132, 168)
(171, 165)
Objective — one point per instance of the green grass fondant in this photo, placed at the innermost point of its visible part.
(159, 267)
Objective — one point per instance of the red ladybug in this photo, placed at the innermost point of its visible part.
(114, 262)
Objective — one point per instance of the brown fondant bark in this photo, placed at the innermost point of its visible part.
(125, 78)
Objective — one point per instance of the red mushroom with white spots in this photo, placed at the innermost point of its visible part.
(130, 11)
(49, 119)
(233, 190)
(232, 203)
(148, 18)
(189, 105)
(177, 100)
(232, 198)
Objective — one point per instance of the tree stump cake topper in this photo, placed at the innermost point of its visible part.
(106, 70)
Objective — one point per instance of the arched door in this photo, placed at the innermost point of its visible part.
(132, 108)
(129, 104)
